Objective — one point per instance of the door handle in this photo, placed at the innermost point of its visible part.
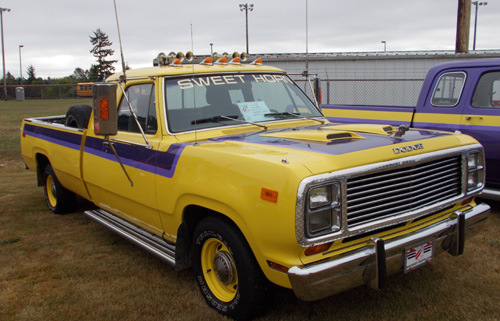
(106, 146)
(471, 117)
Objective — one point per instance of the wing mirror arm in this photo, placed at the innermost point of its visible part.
(106, 116)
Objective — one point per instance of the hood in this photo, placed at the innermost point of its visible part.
(334, 139)
(325, 148)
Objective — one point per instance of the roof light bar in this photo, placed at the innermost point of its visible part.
(175, 59)
(257, 61)
(206, 61)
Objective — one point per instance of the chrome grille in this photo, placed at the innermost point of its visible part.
(390, 193)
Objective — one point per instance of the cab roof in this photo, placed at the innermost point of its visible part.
(189, 69)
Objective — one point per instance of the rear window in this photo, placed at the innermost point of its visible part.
(448, 89)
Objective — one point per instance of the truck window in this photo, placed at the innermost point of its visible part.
(448, 89)
(142, 100)
(487, 92)
(206, 101)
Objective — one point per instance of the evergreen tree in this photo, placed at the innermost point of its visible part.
(31, 74)
(80, 75)
(93, 73)
(10, 80)
(101, 50)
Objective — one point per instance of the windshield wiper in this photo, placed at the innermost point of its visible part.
(297, 115)
(214, 119)
(284, 114)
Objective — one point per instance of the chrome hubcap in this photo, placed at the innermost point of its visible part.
(53, 189)
(224, 267)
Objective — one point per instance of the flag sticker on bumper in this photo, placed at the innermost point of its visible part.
(418, 255)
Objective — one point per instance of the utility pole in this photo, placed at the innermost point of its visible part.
(3, 54)
(20, 65)
(463, 26)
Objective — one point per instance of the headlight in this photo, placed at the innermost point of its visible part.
(320, 196)
(323, 212)
(319, 221)
(473, 181)
(472, 161)
(475, 171)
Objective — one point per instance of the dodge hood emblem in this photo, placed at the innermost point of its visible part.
(409, 148)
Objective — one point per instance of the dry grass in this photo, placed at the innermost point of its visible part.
(69, 268)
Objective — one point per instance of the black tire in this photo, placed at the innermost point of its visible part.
(227, 273)
(59, 199)
(78, 116)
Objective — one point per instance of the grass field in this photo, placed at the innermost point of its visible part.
(67, 267)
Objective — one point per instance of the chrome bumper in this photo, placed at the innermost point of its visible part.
(490, 194)
(371, 264)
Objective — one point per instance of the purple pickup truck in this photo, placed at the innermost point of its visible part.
(456, 96)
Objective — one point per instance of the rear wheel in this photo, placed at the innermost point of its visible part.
(227, 273)
(59, 199)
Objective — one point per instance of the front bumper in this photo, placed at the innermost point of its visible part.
(372, 263)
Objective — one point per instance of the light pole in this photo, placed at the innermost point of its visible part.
(3, 54)
(476, 4)
(20, 64)
(385, 44)
(246, 7)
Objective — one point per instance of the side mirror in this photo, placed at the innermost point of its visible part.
(105, 109)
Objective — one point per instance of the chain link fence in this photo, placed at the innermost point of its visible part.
(39, 92)
(386, 92)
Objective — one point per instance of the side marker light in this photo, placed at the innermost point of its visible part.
(269, 195)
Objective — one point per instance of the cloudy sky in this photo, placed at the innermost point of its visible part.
(55, 33)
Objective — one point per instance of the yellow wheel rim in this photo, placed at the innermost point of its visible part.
(219, 270)
(50, 188)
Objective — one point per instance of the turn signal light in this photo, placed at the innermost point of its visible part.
(317, 249)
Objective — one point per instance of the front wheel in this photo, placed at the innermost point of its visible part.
(227, 273)
(59, 199)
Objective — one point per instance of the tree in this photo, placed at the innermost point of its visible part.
(101, 51)
(93, 73)
(11, 80)
(80, 75)
(31, 74)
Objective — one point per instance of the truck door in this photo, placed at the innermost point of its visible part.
(481, 119)
(442, 110)
(107, 182)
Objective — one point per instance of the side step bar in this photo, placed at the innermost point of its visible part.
(140, 237)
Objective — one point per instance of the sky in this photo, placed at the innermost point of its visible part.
(55, 33)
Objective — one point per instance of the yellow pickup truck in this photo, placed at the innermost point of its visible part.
(229, 168)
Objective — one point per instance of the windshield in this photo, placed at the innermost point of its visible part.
(206, 101)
